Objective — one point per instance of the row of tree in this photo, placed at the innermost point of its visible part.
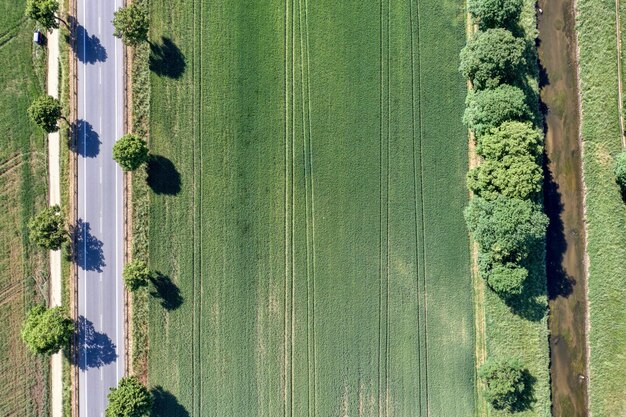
(48, 330)
(505, 215)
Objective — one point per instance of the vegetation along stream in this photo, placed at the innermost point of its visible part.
(564, 204)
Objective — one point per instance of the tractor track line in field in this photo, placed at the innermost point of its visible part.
(193, 199)
(380, 212)
(201, 209)
(306, 153)
(293, 200)
(308, 81)
(419, 213)
(388, 210)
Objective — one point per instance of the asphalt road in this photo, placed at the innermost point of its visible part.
(99, 248)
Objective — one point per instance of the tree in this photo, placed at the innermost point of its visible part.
(130, 152)
(45, 111)
(129, 399)
(492, 57)
(131, 24)
(487, 109)
(506, 228)
(620, 170)
(507, 279)
(136, 275)
(45, 331)
(515, 176)
(47, 229)
(44, 12)
(507, 383)
(511, 139)
(495, 13)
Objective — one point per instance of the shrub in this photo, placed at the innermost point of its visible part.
(506, 228)
(507, 279)
(130, 152)
(488, 109)
(46, 111)
(129, 399)
(492, 57)
(495, 13)
(45, 331)
(47, 229)
(516, 176)
(620, 170)
(507, 384)
(136, 275)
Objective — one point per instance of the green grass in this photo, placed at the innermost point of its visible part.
(605, 210)
(23, 391)
(520, 329)
(317, 239)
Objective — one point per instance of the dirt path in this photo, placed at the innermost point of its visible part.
(564, 205)
(54, 184)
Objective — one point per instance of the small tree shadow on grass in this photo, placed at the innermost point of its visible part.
(166, 59)
(166, 291)
(163, 177)
(166, 404)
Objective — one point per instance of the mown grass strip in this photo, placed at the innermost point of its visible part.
(605, 210)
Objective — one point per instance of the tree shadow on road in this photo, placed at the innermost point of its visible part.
(166, 59)
(87, 142)
(95, 349)
(88, 253)
(163, 177)
(88, 49)
(166, 291)
(166, 404)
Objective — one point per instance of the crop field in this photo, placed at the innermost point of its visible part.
(22, 189)
(605, 209)
(307, 190)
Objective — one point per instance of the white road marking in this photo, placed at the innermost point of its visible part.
(100, 75)
(86, 380)
(100, 174)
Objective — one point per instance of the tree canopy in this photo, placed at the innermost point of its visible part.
(45, 331)
(495, 13)
(131, 24)
(507, 383)
(130, 151)
(47, 228)
(45, 111)
(515, 176)
(506, 228)
(488, 109)
(511, 138)
(129, 399)
(136, 275)
(620, 170)
(492, 57)
(507, 279)
(44, 12)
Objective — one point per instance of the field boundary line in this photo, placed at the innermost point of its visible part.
(201, 209)
(293, 202)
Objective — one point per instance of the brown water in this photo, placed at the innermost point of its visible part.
(563, 198)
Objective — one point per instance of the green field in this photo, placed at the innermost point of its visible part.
(22, 190)
(605, 210)
(307, 200)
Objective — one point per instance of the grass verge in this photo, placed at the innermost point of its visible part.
(605, 209)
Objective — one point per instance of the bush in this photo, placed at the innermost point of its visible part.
(511, 139)
(507, 384)
(136, 275)
(620, 170)
(130, 152)
(495, 13)
(516, 176)
(506, 228)
(131, 24)
(129, 399)
(46, 331)
(492, 57)
(46, 111)
(507, 279)
(47, 229)
(488, 109)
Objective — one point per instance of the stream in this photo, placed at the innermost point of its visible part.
(563, 194)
